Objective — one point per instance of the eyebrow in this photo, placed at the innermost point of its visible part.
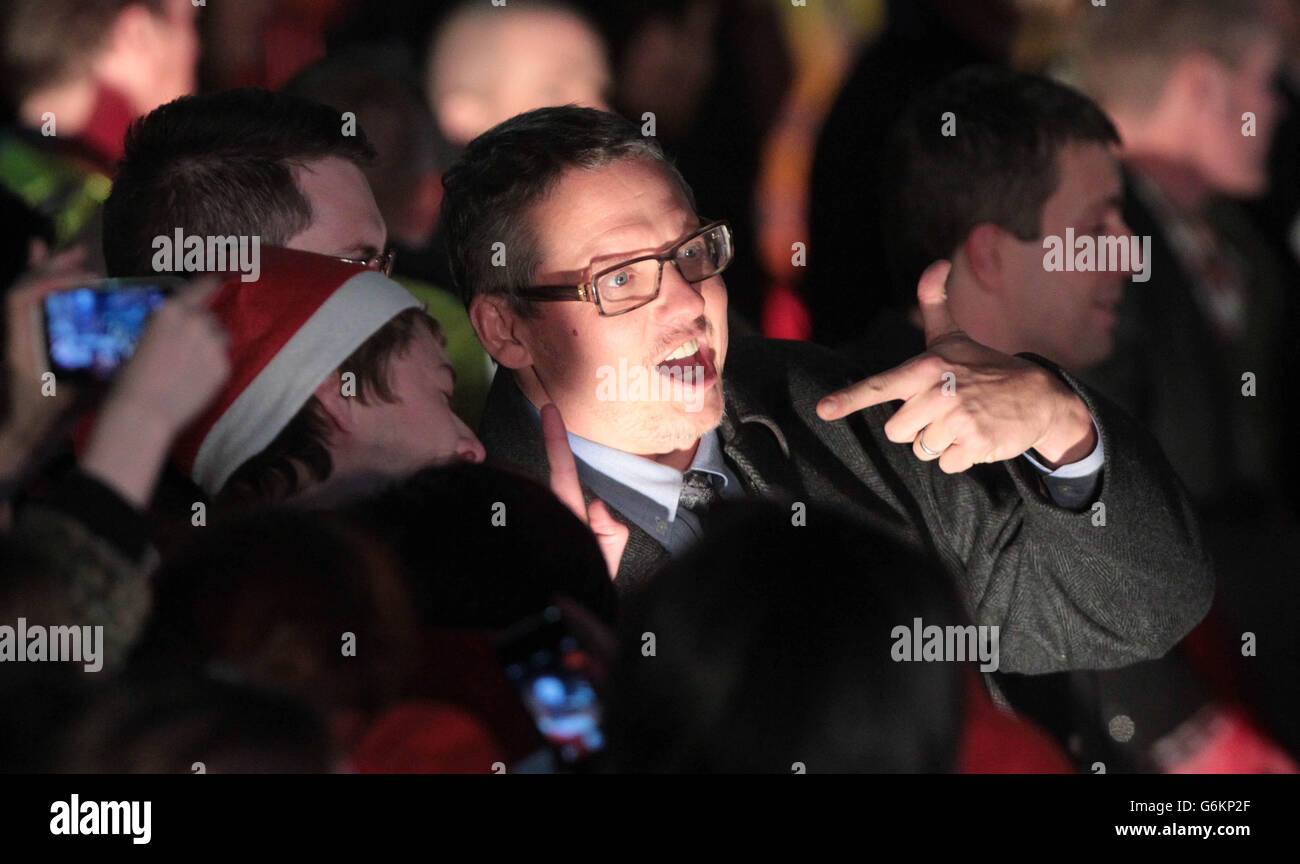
(693, 224)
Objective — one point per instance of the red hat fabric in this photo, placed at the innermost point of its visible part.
(288, 331)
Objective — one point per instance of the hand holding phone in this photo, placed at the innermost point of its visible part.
(178, 367)
(30, 411)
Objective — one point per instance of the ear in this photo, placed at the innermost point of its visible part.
(339, 409)
(462, 116)
(984, 255)
(497, 326)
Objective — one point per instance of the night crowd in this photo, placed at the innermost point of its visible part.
(617, 386)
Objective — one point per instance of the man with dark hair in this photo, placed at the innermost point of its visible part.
(1204, 353)
(580, 207)
(244, 162)
(924, 41)
(983, 167)
(278, 167)
(1019, 163)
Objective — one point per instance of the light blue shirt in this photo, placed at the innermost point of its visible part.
(647, 492)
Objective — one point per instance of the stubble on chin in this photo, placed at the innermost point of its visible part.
(668, 428)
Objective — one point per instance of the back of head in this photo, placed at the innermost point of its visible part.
(485, 548)
(510, 168)
(280, 596)
(979, 146)
(772, 646)
(219, 164)
(1126, 50)
(378, 86)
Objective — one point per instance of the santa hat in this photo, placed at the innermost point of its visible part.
(288, 331)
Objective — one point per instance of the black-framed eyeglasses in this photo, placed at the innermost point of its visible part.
(634, 283)
(383, 262)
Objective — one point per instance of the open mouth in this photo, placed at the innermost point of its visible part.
(689, 363)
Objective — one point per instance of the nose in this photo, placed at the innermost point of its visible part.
(678, 299)
(468, 447)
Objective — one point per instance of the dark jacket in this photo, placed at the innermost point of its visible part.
(1066, 593)
(1169, 371)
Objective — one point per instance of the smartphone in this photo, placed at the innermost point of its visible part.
(553, 674)
(90, 330)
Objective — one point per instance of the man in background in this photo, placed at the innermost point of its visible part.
(74, 74)
(377, 89)
(1028, 164)
(487, 63)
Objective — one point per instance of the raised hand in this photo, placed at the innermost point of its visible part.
(964, 403)
(611, 534)
(178, 367)
(31, 412)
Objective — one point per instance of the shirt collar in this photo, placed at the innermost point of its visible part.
(660, 483)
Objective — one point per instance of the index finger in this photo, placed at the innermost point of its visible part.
(897, 383)
(564, 471)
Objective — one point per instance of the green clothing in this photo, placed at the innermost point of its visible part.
(67, 192)
(473, 366)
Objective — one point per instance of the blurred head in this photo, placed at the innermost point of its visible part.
(568, 192)
(295, 600)
(378, 87)
(773, 647)
(1180, 78)
(167, 724)
(488, 63)
(242, 162)
(485, 548)
(145, 49)
(1027, 158)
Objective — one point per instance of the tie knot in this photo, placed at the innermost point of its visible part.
(698, 491)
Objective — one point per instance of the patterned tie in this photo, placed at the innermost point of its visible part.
(698, 492)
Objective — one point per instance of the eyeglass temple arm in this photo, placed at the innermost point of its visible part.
(555, 292)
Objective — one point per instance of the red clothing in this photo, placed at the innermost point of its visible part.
(106, 129)
(995, 742)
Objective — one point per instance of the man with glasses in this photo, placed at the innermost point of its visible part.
(254, 163)
(572, 204)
